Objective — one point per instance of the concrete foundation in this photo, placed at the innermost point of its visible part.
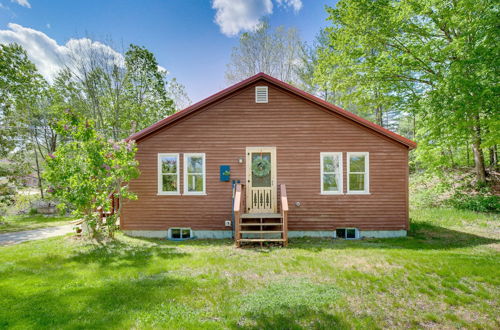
(221, 234)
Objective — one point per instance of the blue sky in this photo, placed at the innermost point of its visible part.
(192, 39)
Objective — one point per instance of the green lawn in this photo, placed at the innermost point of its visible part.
(447, 274)
(27, 222)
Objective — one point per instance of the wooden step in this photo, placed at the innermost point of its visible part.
(261, 216)
(261, 224)
(261, 240)
(260, 232)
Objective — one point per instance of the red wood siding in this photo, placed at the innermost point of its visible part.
(299, 130)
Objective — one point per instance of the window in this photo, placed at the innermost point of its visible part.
(331, 173)
(261, 94)
(194, 174)
(168, 174)
(347, 233)
(179, 233)
(357, 173)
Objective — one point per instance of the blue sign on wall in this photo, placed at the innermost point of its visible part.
(225, 172)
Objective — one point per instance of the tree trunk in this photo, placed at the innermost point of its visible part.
(38, 174)
(478, 156)
(467, 153)
(450, 151)
(493, 157)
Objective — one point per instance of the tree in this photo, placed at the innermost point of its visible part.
(85, 170)
(308, 67)
(19, 84)
(146, 88)
(122, 94)
(437, 60)
(22, 90)
(276, 53)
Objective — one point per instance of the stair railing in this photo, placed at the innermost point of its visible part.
(284, 213)
(237, 208)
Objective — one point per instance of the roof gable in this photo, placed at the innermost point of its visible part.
(273, 81)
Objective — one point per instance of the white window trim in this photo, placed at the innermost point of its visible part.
(366, 191)
(160, 175)
(195, 193)
(341, 183)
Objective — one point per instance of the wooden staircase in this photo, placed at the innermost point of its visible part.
(260, 227)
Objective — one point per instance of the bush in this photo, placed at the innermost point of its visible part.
(428, 190)
(456, 188)
(22, 203)
(7, 194)
(478, 203)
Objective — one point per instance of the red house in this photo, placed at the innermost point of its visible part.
(264, 161)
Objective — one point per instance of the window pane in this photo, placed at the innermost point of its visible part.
(169, 182)
(169, 164)
(330, 182)
(350, 233)
(341, 233)
(195, 164)
(331, 164)
(175, 233)
(186, 233)
(195, 182)
(356, 182)
(357, 163)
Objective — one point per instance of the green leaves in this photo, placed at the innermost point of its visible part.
(435, 60)
(85, 170)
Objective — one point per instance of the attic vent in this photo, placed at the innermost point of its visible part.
(261, 94)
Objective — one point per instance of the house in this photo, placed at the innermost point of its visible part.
(264, 161)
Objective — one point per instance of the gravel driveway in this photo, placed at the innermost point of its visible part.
(31, 235)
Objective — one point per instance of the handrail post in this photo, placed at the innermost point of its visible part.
(284, 213)
(237, 210)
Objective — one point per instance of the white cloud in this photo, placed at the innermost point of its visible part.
(23, 3)
(234, 16)
(295, 4)
(50, 57)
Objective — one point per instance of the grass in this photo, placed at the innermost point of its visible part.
(14, 223)
(445, 275)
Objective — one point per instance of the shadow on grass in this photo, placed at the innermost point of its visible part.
(117, 253)
(294, 318)
(101, 305)
(189, 242)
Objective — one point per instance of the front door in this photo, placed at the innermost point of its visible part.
(261, 180)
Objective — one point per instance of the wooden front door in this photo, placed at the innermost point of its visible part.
(261, 180)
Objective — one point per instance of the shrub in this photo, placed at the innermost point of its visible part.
(456, 189)
(428, 190)
(22, 202)
(478, 203)
(87, 169)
